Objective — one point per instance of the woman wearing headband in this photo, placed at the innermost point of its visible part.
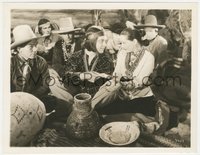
(85, 69)
(47, 41)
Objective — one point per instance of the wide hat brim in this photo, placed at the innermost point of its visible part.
(148, 25)
(66, 31)
(17, 43)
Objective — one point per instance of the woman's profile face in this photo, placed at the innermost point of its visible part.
(46, 29)
(101, 44)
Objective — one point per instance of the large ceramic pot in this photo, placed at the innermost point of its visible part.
(83, 122)
(27, 118)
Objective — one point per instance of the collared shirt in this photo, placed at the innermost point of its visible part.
(142, 70)
(37, 83)
(120, 67)
(90, 55)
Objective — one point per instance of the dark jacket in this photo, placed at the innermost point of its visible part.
(158, 48)
(38, 79)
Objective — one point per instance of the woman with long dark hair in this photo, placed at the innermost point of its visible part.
(128, 96)
(47, 39)
(87, 69)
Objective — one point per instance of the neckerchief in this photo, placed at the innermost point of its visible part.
(131, 66)
(26, 74)
(68, 50)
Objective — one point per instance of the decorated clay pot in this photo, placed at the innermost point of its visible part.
(27, 118)
(83, 122)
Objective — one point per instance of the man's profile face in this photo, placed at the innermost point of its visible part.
(68, 38)
(150, 33)
(29, 51)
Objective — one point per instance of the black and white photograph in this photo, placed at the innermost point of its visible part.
(113, 76)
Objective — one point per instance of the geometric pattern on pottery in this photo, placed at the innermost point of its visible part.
(39, 113)
(19, 113)
(28, 115)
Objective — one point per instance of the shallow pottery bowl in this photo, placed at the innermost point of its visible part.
(120, 133)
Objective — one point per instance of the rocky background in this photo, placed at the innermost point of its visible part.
(178, 22)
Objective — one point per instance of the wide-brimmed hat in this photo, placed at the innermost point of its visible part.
(66, 26)
(150, 21)
(22, 34)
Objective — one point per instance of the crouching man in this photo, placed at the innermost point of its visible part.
(29, 72)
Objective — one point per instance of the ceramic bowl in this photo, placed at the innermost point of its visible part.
(120, 133)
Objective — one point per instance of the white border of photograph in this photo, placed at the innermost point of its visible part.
(6, 76)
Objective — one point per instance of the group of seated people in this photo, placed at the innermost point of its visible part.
(54, 65)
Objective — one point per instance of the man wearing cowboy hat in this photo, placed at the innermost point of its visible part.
(157, 44)
(46, 43)
(29, 72)
(26, 61)
(65, 47)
